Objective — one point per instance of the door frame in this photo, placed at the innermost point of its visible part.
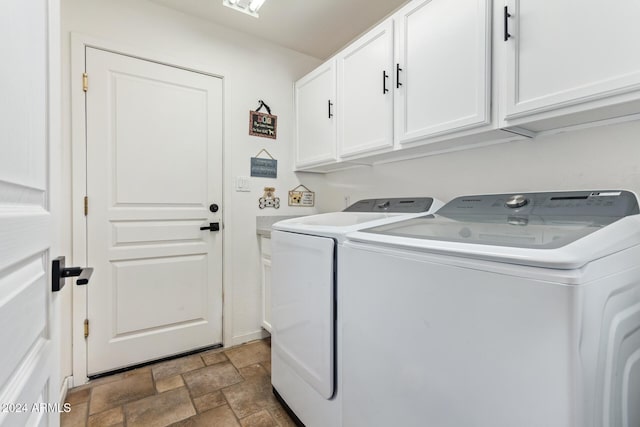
(79, 43)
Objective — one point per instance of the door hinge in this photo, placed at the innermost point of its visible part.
(85, 82)
(86, 205)
(86, 328)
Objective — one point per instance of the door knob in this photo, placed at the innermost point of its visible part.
(59, 272)
(213, 226)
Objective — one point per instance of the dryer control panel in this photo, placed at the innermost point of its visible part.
(395, 205)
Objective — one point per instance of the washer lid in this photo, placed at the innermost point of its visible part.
(532, 229)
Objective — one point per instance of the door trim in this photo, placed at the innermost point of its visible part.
(79, 43)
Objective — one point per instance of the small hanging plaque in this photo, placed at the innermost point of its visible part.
(264, 168)
(269, 199)
(263, 124)
(301, 196)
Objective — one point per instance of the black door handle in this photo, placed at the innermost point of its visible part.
(398, 69)
(330, 105)
(59, 272)
(213, 226)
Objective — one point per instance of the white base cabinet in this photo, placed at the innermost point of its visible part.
(265, 270)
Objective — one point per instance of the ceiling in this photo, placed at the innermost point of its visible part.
(315, 27)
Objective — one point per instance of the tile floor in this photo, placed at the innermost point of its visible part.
(224, 387)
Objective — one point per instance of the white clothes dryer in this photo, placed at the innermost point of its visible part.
(305, 372)
(498, 311)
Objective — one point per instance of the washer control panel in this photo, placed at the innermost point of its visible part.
(524, 220)
(610, 203)
(516, 201)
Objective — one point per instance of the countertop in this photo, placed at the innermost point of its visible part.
(264, 223)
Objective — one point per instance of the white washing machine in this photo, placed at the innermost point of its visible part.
(304, 368)
(498, 311)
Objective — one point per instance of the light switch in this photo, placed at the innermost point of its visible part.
(242, 183)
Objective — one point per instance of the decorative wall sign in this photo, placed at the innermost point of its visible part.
(263, 124)
(264, 168)
(302, 198)
(269, 200)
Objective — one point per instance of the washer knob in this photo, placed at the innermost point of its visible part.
(516, 201)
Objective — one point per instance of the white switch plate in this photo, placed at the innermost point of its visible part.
(242, 183)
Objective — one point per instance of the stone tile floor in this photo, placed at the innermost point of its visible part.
(223, 387)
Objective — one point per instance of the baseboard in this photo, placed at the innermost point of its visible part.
(67, 383)
(256, 335)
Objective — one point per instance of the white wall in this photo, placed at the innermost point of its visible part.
(596, 158)
(255, 70)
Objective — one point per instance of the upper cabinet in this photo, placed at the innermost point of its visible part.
(419, 82)
(442, 68)
(569, 62)
(365, 93)
(442, 75)
(315, 131)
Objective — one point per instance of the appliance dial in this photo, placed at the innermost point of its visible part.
(516, 201)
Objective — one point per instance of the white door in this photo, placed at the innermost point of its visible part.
(564, 53)
(29, 336)
(154, 167)
(365, 91)
(442, 68)
(315, 137)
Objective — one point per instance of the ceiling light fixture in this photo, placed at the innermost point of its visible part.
(250, 7)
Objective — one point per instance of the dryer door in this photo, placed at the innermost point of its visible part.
(302, 301)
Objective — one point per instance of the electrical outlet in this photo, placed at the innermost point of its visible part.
(347, 201)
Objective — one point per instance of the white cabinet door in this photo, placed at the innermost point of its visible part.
(365, 92)
(265, 267)
(266, 293)
(315, 137)
(442, 68)
(564, 53)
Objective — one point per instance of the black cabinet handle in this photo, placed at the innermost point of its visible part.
(507, 15)
(213, 226)
(59, 272)
(398, 69)
(330, 104)
(385, 76)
